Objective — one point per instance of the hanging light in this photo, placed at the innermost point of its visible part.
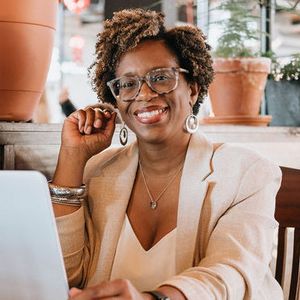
(76, 6)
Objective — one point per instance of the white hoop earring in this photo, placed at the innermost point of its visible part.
(123, 135)
(191, 123)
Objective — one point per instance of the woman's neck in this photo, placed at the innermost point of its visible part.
(162, 158)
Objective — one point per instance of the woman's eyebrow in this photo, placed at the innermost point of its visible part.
(152, 69)
(128, 74)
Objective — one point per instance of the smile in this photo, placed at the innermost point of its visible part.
(149, 116)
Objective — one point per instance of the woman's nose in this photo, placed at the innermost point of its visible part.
(145, 93)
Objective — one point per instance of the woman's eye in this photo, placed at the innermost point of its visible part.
(127, 84)
(159, 77)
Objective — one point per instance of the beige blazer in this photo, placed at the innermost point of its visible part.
(225, 222)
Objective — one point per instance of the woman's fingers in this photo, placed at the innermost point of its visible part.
(110, 125)
(89, 121)
(86, 294)
(115, 288)
(92, 118)
(101, 117)
(74, 292)
(98, 118)
(118, 288)
(80, 116)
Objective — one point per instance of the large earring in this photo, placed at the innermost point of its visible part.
(191, 123)
(123, 135)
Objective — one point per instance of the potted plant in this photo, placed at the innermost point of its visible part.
(240, 74)
(283, 92)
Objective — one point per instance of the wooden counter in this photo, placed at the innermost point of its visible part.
(27, 146)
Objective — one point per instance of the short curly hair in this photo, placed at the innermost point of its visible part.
(128, 28)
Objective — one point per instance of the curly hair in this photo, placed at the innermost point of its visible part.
(128, 28)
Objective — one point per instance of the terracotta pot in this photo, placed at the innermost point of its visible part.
(27, 33)
(238, 85)
(237, 120)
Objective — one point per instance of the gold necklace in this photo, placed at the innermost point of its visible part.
(154, 202)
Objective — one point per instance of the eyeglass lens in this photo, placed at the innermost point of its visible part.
(160, 81)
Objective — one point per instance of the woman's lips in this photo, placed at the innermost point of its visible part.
(150, 115)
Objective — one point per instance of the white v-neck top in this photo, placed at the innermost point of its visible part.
(145, 269)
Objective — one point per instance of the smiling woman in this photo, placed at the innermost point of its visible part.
(157, 109)
(171, 213)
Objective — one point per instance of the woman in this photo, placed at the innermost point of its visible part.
(171, 213)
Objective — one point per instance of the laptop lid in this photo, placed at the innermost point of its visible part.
(31, 262)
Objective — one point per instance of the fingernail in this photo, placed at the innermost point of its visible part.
(98, 123)
(88, 130)
(107, 114)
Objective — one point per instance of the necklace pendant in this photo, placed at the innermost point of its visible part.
(153, 204)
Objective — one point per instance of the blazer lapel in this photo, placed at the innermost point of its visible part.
(193, 188)
(113, 186)
(119, 177)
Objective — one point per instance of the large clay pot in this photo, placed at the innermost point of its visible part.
(238, 85)
(27, 30)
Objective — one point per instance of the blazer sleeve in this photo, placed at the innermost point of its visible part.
(78, 238)
(79, 246)
(238, 254)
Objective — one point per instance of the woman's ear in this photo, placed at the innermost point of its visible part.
(194, 92)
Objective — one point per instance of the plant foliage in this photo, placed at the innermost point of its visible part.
(288, 71)
(238, 29)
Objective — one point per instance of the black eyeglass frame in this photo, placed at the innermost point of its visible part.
(146, 79)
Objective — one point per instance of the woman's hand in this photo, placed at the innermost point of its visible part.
(115, 289)
(86, 132)
(90, 130)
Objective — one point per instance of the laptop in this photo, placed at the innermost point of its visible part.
(31, 262)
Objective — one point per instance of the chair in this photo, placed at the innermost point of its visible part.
(287, 213)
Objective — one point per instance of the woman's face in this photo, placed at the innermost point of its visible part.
(154, 117)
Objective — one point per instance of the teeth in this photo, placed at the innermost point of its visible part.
(149, 114)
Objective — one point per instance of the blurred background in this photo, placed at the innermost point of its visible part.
(79, 22)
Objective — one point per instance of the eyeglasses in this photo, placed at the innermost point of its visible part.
(161, 81)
